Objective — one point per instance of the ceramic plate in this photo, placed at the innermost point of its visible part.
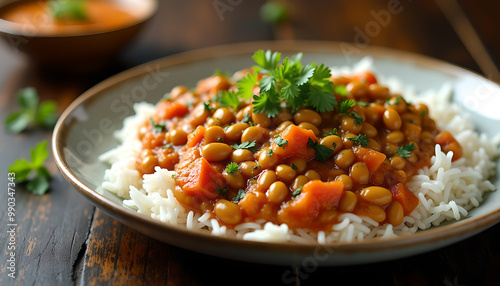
(85, 129)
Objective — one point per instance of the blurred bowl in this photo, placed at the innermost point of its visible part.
(74, 48)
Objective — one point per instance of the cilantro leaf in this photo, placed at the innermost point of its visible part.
(68, 9)
(346, 104)
(207, 106)
(241, 194)
(157, 127)
(246, 85)
(405, 150)
(246, 145)
(31, 113)
(221, 191)
(322, 101)
(267, 60)
(232, 168)
(229, 98)
(297, 191)
(305, 74)
(357, 119)
(323, 153)
(266, 103)
(280, 142)
(334, 132)
(360, 140)
(22, 168)
(340, 90)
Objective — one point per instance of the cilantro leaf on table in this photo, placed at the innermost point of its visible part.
(31, 113)
(39, 184)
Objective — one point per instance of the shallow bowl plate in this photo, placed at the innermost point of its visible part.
(85, 129)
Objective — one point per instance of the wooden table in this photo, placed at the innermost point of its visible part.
(63, 240)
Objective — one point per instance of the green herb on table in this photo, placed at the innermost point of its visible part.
(39, 183)
(68, 10)
(31, 114)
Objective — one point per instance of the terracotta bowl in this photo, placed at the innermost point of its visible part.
(75, 51)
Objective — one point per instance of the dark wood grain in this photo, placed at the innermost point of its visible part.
(63, 240)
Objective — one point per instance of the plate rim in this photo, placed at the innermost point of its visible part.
(455, 231)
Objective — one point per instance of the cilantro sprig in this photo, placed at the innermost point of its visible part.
(39, 183)
(31, 114)
(68, 9)
(241, 194)
(288, 82)
(157, 127)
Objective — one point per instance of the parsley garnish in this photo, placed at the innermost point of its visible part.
(280, 142)
(360, 140)
(334, 132)
(232, 168)
(207, 106)
(22, 169)
(357, 119)
(293, 166)
(361, 103)
(241, 194)
(31, 114)
(157, 127)
(246, 119)
(322, 152)
(229, 99)
(167, 146)
(341, 90)
(270, 152)
(68, 9)
(246, 145)
(405, 150)
(297, 191)
(221, 191)
(288, 82)
(345, 105)
(422, 113)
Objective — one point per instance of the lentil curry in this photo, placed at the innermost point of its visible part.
(291, 144)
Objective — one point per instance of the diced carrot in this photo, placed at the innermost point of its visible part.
(296, 145)
(370, 157)
(449, 143)
(366, 76)
(212, 85)
(316, 196)
(202, 180)
(168, 110)
(405, 197)
(196, 136)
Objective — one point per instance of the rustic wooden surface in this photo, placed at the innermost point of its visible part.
(63, 240)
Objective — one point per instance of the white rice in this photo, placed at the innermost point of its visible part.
(447, 190)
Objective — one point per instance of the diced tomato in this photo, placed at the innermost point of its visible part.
(316, 196)
(168, 110)
(370, 157)
(405, 197)
(449, 143)
(195, 137)
(296, 145)
(202, 180)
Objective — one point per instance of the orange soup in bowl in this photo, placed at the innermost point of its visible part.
(63, 17)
